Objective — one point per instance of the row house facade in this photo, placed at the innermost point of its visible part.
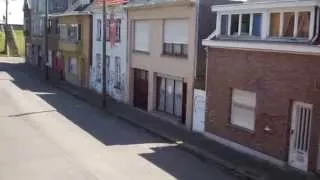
(34, 12)
(117, 85)
(166, 57)
(263, 87)
(72, 60)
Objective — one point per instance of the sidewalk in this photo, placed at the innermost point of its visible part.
(243, 165)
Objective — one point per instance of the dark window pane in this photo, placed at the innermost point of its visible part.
(224, 25)
(288, 24)
(303, 24)
(234, 24)
(256, 27)
(185, 50)
(169, 96)
(177, 49)
(245, 24)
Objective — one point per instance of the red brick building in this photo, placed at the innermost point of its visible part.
(263, 85)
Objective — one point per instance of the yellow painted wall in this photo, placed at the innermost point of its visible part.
(81, 50)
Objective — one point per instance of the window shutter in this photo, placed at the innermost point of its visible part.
(176, 31)
(141, 38)
(79, 32)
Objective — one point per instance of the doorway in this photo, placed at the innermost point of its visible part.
(300, 135)
(140, 91)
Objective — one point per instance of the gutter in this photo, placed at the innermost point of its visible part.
(317, 22)
(158, 4)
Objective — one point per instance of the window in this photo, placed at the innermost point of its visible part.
(224, 25)
(99, 30)
(274, 24)
(118, 30)
(107, 30)
(49, 25)
(257, 24)
(245, 24)
(170, 96)
(141, 36)
(63, 31)
(98, 67)
(234, 24)
(243, 109)
(303, 24)
(175, 38)
(57, 26)
(117, 65)
(289, 28)
(72, 65)
(288, 24)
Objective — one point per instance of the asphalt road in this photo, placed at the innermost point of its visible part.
(46, 134)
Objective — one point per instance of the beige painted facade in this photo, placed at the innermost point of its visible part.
(80, 50)
(156, 63)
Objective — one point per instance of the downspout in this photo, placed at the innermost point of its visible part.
(196, 57)
(317, 21)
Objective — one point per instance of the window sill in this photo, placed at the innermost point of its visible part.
(141, 52)
(173, 56)
(234, 126)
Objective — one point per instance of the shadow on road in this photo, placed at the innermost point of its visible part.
(107, 129)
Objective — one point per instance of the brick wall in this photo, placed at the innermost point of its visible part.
(277, 79)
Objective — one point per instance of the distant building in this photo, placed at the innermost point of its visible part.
(116, 52)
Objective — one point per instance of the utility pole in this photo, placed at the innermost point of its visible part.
(46, 40)
(104, 54)
(6, 30)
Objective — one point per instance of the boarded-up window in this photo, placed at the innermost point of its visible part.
(303, 24)
(288, 24)
(274, 24)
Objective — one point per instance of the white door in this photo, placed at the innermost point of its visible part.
(199, 110)
(300, 135)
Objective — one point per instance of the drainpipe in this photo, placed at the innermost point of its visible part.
(317, 21)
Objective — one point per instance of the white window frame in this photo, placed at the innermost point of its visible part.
(265, 26)
(251, 13)
(296, 12)
(147, 49)
(249, 102)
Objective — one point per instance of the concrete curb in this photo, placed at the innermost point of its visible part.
(198, 152)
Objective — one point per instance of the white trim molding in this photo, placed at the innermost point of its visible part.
(264, 46)
(265, 5)
(245, 150)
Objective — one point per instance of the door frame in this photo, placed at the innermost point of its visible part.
(292, 135)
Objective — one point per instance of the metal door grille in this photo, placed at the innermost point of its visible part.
(302, 127)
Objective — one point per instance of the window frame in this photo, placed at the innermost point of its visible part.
(239, 32)
(265, 22)
(99, 29)
(296, 12)
(169, 49)
(117, 68)
(244, 106)
(147, 51)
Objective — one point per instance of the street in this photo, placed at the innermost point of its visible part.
(46, 134)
